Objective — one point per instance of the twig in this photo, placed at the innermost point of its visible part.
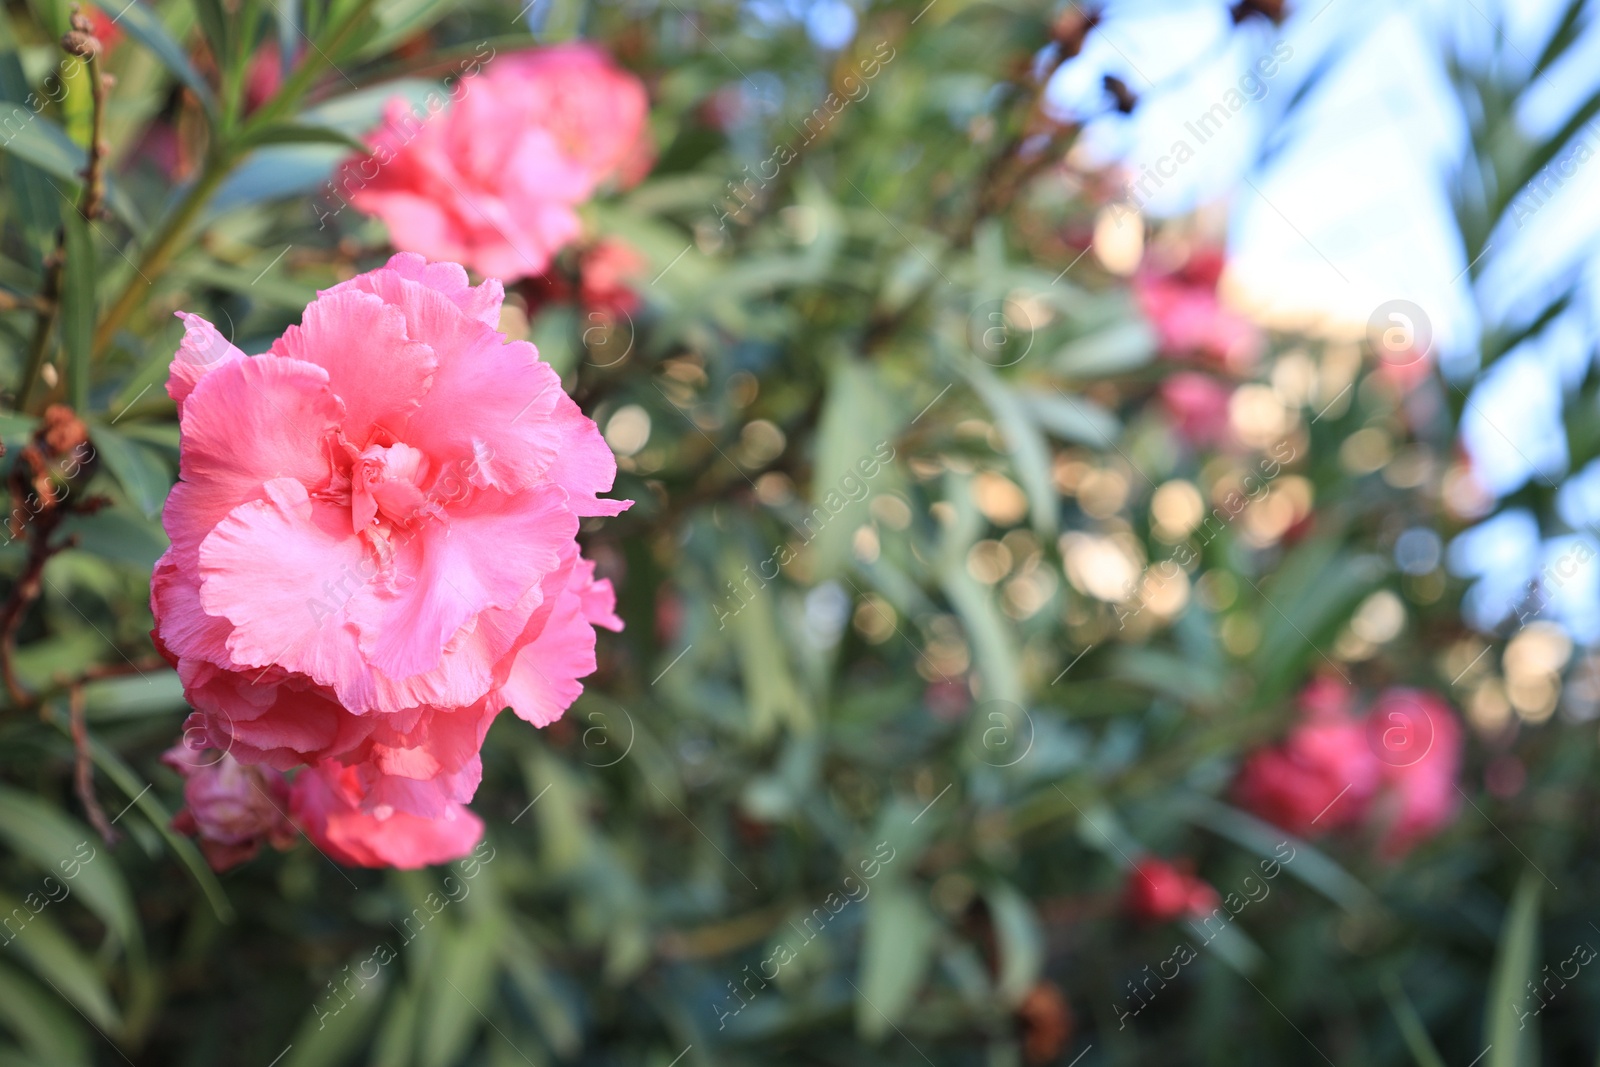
(59, 433)
(27, 587)
(83, 772)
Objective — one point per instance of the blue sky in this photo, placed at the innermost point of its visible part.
(1352, 208)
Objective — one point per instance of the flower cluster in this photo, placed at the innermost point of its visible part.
(495, 181)
(1393, 769)
(373, 553)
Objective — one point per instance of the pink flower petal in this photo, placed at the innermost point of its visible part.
(244, 423)
(451, 572)
(284, 571)
(372, 365)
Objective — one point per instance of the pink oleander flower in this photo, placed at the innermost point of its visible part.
(230, 807)
(1196, 406)
(1393, 770)
(495, 179)
(607, 273)
(1324, 774)
(1189, 317)
(1420, 739)
(1158, 891)
(264, 76)
(328, 804)
(373, 539)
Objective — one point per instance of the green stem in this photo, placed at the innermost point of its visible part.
(218, 165)
(43, 327)
(160, 250)
(311, 65)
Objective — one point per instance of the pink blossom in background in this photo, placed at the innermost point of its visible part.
(264, 76)
(105, 29)
(1322, 776)
(1421, 778)
(230, 807)
(373, 548)
(1158, 891)
(1189, 317)
(607, 273)
(1196, 406)
(1393, 770)
(494, 181)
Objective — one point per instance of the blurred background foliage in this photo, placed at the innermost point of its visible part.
(904, 470)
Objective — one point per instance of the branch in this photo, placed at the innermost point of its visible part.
(83, 771)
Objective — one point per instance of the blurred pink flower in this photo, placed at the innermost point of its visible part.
(105, 28)
(373, 538)
(264, 76)
(494, 181)
(1395, 769)
(1196, 406)
(607, 271)
(1322, 776)
(230, 807)
(1157, 891)
(1189, 318)
(1420, 775)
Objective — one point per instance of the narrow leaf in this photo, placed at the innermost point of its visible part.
(1509, 1017)
(77, 306)
(143, 24)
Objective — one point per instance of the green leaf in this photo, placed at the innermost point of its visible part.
(1030, 453)
(1412, 1029)
(461, 990)
(141, 796)
(1020, 943)
(895, 953)
(55, 959)
(61, 846)
(1304, 602)
(215, 25)
(286, 22)
(276, 172)
(39, 141)
(398, 20)
(1306, 863)
(1074, 418)
(1228, 940)
(297, 133)
(141, 472)
(771, 694)
(77, 306)
(118, 534)
(858, 420)
(357, 112)
(397, 1034)
(142, 22)
(33, 200)
(550, 1005)
(1511, 1031)
(1123, 347)
(337, 1025)
(116, 699)
(46, 1026)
